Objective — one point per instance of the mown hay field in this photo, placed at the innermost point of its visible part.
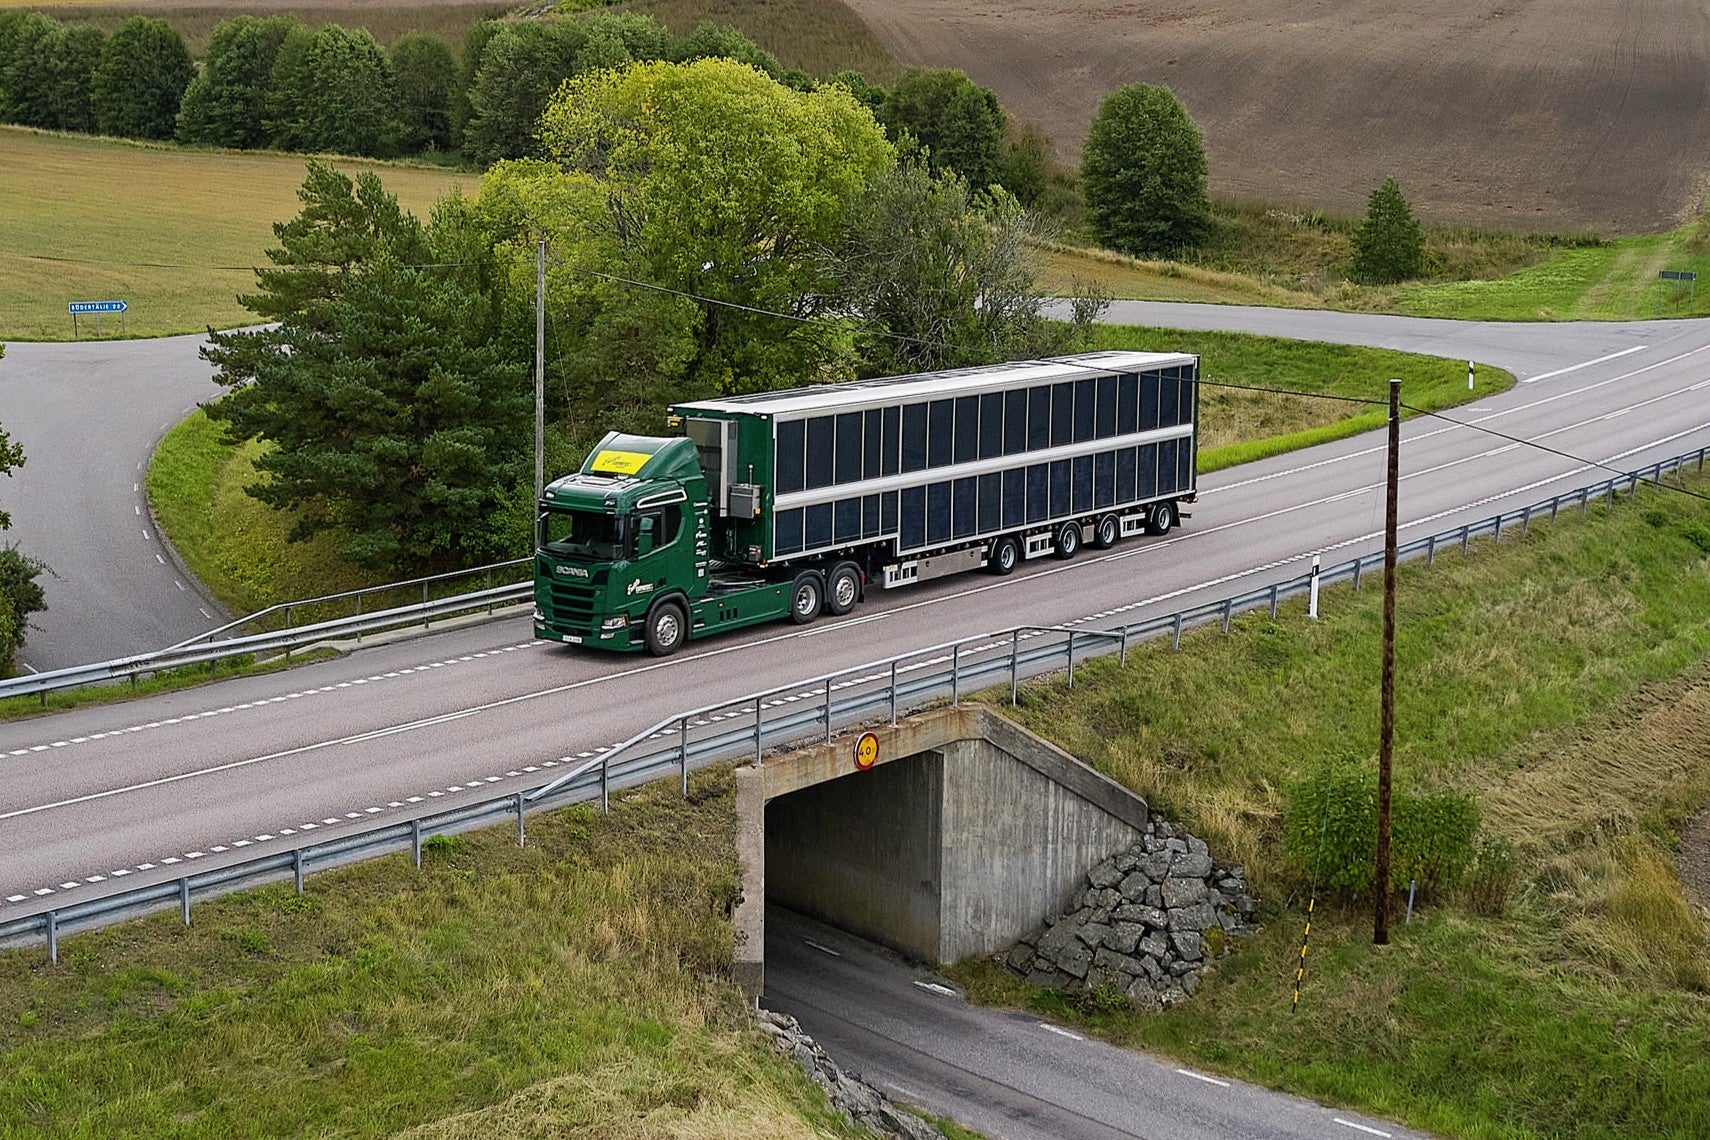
(173, 232)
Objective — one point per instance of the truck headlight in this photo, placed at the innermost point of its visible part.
(538, 616)
(614, 623)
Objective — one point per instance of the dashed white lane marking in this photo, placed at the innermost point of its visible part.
(1203, 1077)
(823, 949)
(160, 559)
(1060, 1031)
(934, 987)
(288, 697)
(1583, 364)
(1361, 1127)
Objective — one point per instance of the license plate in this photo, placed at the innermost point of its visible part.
(573, 639)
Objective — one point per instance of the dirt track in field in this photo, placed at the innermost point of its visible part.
(1534, 114)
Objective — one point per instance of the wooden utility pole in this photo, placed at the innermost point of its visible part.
(1386, 725)
(539, 371)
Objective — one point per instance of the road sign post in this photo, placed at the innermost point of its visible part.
(97, 308)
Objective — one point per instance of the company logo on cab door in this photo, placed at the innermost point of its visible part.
(639, 587)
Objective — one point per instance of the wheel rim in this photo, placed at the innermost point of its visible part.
(1107, 532)
(1006, 555)
(845, 590)
(1070, 540)
(806, 602)
(666, 630)
(1162, 520)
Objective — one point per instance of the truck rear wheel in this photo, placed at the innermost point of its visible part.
(1005, 555)
(1106, 532)
(807, 595)
(667, 629)
(1069, 540)
(1161, 519)
(843, 588)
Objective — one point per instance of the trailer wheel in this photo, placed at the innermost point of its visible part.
(667, 629)
(1161, 519)
(1107, 532)
(1005, 555)
(807, 595)
(1069, 540)
(843, 588)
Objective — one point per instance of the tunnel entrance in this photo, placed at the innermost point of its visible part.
(963, 832)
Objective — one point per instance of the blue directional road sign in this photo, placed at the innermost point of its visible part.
(76, 307)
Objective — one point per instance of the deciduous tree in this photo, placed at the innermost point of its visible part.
(958, 122)
(332, 92)
(1143, 170)
(425, 74)
(20, 594)
(140, 80)
(1389, 245)
(226, 105)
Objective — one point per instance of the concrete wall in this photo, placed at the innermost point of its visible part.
(863, 853)
(964, 836)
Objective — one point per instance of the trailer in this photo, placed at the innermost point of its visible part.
(795, 503)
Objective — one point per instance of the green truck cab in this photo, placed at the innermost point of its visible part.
(793, 503)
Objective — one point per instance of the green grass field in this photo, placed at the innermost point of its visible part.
(171, 231)
(574, 988)
(1562, 678)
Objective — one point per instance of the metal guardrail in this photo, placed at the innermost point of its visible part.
(203, 648)
(811, 709)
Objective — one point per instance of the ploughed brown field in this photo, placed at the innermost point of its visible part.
(1533, 114)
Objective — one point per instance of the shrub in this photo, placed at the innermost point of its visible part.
(1330, 832)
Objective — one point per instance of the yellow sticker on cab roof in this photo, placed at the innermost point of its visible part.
(619, 462)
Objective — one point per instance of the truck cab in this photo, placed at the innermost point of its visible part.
(623, 546)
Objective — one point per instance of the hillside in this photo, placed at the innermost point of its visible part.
(1530, 114)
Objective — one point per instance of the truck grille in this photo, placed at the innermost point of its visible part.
(574, 602)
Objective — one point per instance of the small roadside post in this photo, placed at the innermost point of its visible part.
(97, 308)
(1312, 598)
(1469, 375)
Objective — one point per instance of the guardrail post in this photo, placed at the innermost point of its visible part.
(1431, 550)
(489, 590)
(1584, 499)
(359, 614)
(1496, 531)
(184, 899)
(759, 712)
(52, 937)
(1176, 632)
(1014, 668)
(1122, 654)
(683, 735)
(1555, 505)
(1071, 659)
(893, 692)
(1466, 535)
(426, 621)
(522, 838)
(416, 843)
(606, 783)
(287, 630)
(1525, 522)
(1228, 613)
(1609, 500)
(1360, 562)
(1274, 594)
(828, 709)
(297, 868)
(956, 675)
(1701, 452)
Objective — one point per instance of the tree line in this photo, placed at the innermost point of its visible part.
(711, 230)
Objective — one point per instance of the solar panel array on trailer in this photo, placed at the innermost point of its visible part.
(939, 459)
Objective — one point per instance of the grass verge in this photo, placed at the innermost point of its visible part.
(1563, 679)
(1239, 426)
(573, 988)
(170, 230)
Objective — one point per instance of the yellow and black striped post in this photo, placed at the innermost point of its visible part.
(1300, 971)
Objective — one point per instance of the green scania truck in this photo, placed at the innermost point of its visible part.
(794, 503)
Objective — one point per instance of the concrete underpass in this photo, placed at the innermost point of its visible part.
(962, 835)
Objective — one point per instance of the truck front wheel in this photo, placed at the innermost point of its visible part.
(667, 629)
(806, 597)
(843, 588)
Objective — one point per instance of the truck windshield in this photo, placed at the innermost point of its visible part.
(582, 534)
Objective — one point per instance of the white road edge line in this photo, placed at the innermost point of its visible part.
(1203, 1077)
(1361, 1127)
(821, 949)
(1583, 364)
(934, 987)
(1057, 1029)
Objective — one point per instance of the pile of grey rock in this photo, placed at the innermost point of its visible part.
(1148, 923)
(863, 1104)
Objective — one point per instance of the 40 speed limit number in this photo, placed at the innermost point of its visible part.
(866, 751)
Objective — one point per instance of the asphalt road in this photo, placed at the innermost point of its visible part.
(89, 416)
(1007, 1074)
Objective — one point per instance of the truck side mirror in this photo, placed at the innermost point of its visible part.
(644, 538)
